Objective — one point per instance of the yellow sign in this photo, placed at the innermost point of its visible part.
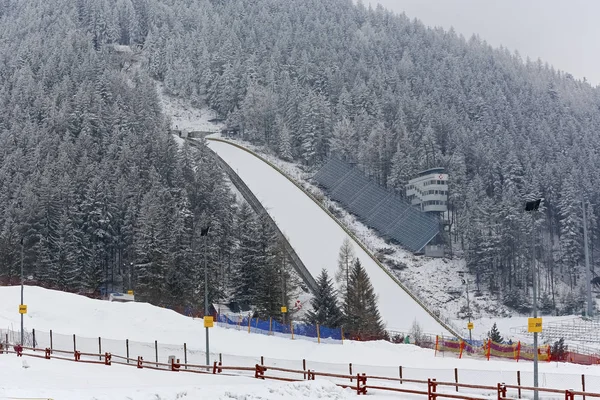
(130, 292)
(208, 322)
(284, 309)
(534, 325)
(470, 326)
(23, 309)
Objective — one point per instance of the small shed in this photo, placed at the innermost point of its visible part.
(121, 297)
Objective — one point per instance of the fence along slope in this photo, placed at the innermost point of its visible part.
(317, 239)
(260, 210)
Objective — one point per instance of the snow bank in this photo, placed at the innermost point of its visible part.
(68, 313)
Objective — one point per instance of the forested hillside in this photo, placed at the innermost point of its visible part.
(94, 190)
(85, 160)
(306, 78)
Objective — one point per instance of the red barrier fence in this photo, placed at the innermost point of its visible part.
(360, 383)
(515, 351)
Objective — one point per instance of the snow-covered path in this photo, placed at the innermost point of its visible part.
(317, 238)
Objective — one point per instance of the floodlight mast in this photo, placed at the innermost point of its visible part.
(532, 207)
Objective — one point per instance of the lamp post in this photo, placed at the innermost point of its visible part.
(588, 284)
(531, 207)
(22, 343)
(130, 272)
(469, 310)
(204, 234)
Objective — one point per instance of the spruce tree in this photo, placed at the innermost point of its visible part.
(361, 315)
(325, 310)
(345, 260)
(495, 335)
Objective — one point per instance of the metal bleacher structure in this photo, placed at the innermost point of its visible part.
(393, 217)
(584, 332)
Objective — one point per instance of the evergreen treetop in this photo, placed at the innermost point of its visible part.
(325, 309)
(362, 318)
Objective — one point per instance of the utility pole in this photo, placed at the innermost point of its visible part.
(469, 310)
(204, 233)
(22, 336)
(532, 207)
(535, 334)
(588, 282)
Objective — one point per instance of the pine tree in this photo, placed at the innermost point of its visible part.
(269, 287)
(345, 261)
(247, 268)
(325, 310)
(361, 315)
(495, 335)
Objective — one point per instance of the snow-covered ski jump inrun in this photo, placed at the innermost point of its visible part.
(317, 238)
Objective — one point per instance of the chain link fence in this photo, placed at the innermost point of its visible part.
(161, 353)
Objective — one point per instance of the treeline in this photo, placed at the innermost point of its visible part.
(94, 190)
(311, 78)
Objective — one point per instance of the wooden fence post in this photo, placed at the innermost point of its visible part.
(519, 382)
(74, 344)
(51, 347)
(127, 348)
(185, 354)
(292, 328)
(99, 348)
(304, 367)
(583, 384)
(156, 352)
(431, 389)
(318, 334)
(456, 378)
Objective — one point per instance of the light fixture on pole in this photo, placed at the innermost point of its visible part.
(535, 323)
(207, 319)
(470, 324)
(588, 277)
(22, 307)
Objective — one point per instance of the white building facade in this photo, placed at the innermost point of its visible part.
(429, 190)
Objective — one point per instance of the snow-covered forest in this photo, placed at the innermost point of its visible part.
(94, 189)
(92, 183)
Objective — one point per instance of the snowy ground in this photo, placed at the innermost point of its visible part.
(67, 314)
(186, 117)
(66, 380)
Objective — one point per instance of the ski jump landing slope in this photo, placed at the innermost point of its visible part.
(317, 237)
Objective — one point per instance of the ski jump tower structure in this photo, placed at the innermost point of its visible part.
(428, 191)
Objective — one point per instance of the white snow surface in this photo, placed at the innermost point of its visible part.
(66, 380)
(317, 238)
(66, 314)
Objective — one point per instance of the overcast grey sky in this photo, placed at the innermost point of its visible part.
(564, 33)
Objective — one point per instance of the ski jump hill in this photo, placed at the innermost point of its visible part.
(316, 236)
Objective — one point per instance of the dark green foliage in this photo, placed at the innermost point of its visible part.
(517, 300)
(325, 309)
(494, 334)
(361, 316)
(559, 350)
(546, 304)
